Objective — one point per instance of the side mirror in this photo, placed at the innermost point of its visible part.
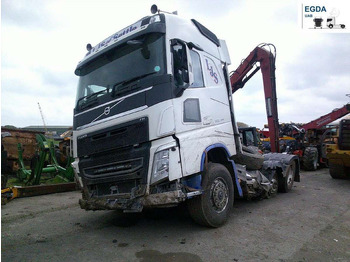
(182, 64)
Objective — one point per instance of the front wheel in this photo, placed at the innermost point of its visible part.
(330, 26)
(213, 207)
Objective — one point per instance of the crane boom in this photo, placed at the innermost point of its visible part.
(267, 65)
(42, 117)
(328, 118)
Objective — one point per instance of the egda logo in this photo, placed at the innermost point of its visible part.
(324, 15)
(314, 9)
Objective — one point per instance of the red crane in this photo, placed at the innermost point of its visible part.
(240, 76)
(328, 118)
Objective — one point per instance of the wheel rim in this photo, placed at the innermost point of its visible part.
(219, 195)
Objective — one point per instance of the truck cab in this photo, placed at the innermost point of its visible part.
(153, 114)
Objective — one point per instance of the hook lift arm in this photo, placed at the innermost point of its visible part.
(240, 76)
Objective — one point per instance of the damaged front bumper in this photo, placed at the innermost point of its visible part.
(136, 204)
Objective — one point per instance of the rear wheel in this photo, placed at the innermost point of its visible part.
(310, 159)
(285, 183)
(213, 207)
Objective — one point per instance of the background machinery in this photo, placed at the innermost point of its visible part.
(338, 154)
(38, 173)
(309, 140)
(44, 162)
(305, 140)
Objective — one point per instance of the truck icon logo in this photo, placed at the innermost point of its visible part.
(323, 17)
(332, 24)
(107, 111)
(318, 22)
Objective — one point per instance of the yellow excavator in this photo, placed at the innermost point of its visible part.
(338, 154)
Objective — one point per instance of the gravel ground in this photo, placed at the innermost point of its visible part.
(311, 223)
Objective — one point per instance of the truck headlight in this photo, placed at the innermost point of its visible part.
(160, 168)
(76, 173)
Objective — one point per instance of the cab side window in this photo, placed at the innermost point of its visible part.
(197, 70)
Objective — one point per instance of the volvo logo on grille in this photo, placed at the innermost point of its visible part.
(107, 110)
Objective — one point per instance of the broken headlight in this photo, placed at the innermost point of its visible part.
(160, 168)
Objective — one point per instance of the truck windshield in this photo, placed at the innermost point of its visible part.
(136, 59)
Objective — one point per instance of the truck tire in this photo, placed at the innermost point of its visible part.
(337, 171)
(285, 184)
(213, 207)
(330, 26)
(252, 160)
(310, 159)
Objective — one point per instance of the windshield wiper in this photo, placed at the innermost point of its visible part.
(125, 82)
(88, 101)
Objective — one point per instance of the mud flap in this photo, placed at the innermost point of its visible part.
(273, 161)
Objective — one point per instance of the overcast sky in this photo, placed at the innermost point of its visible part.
(42, 42)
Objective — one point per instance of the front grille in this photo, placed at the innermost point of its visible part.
(114, 169)
(114, 161)
(123, 135)
(116, 165)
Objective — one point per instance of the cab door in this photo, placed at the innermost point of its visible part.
(202, 110)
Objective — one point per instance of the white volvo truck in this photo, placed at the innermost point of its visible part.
(154, 125)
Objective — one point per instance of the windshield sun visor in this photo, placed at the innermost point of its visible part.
(131, 32)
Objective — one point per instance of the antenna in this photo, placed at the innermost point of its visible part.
(42, 117)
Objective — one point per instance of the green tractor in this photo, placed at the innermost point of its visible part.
(44, 162)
